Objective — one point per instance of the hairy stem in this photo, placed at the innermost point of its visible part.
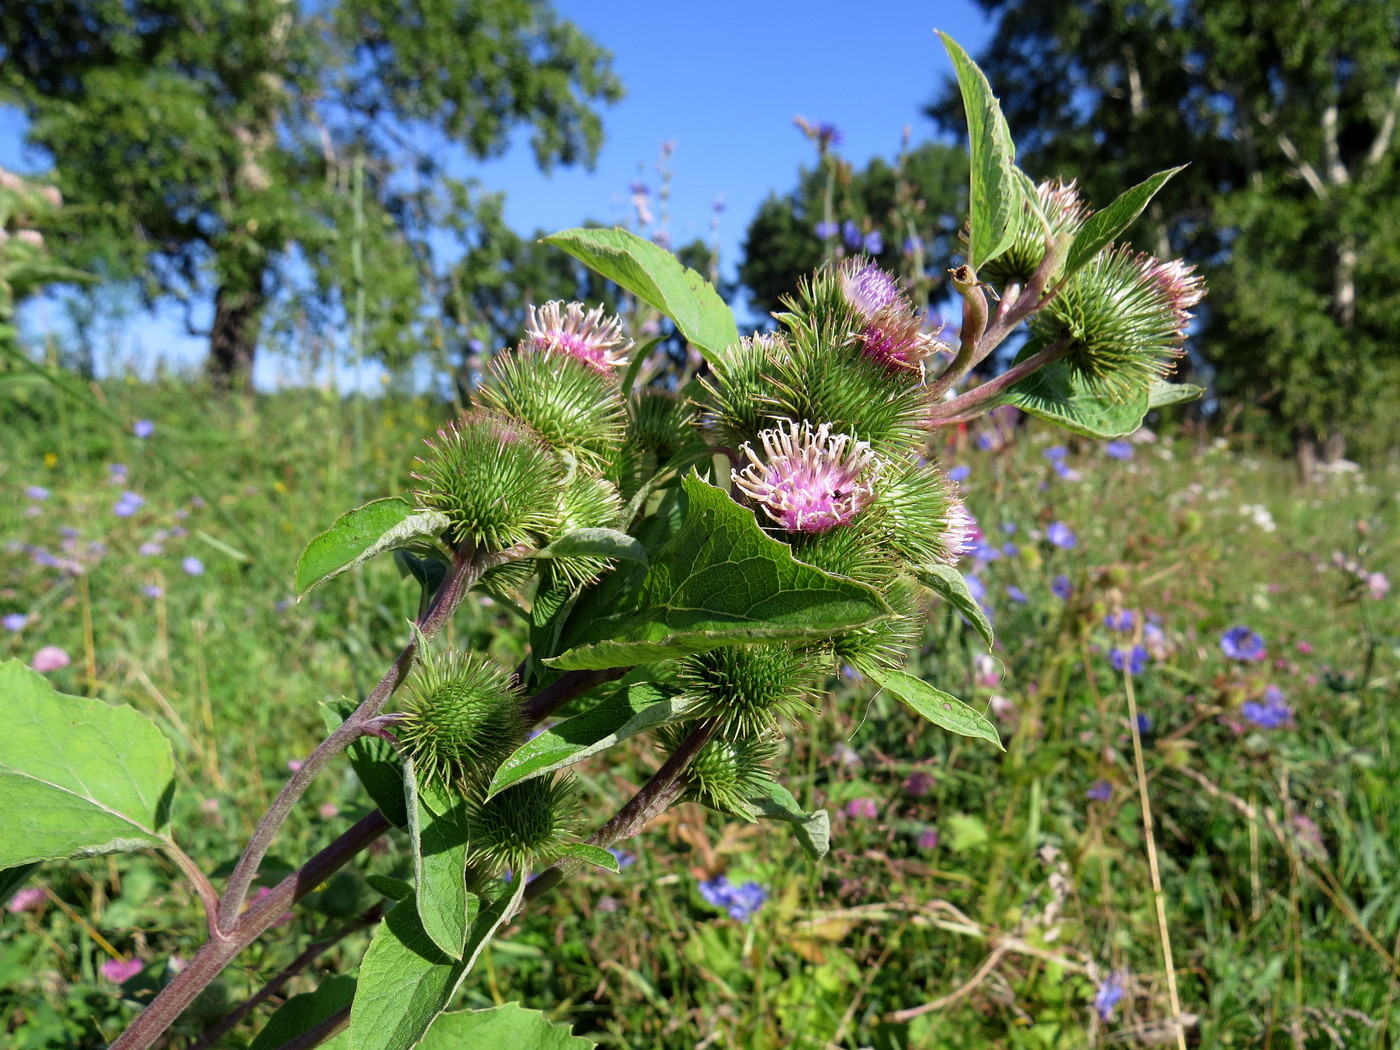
(559, 692)
(971, 404)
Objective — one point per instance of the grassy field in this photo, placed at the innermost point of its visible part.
(971, 899)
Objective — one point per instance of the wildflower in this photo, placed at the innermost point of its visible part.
(1062, 588)
(152, 590)
(1099, 791)
(1123, 620)
(149, 549)
(1055, 453)
(143, 428)
(873, 243)
(850, 233)
(1015, 593)
(739, 901)
(928, 839)
(892, 334)
(812, 480)
(117, 472)
(37, 492)
(959, 473)
(328, 811)
(1378, 584)
(1305, 648)
(27, 899)
(1144, 723)
(50, 658)
(1135, 661)
(826, 230)
(862, 809)
(14, 622)
(1060, 535)
(1118, 450)
(193, 566)
(1270, 713)
(565, 328)
(1109, 995)
(1010, 549)
(1240, 643)
(119, 971)
(918, 783)
(128, 504)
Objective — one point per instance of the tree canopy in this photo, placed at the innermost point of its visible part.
(1291, 203)
(209, 147)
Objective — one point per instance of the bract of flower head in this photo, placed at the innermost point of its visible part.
(892, 333)
(559, 327)
(809, 480)
(1048, 210)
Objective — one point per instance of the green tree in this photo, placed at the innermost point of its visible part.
(208, 145)
(1291, 205)
(906, 216)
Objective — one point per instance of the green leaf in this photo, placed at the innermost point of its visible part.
(303, 1012)
(813, 830)
(595, 855)
(657, 277)
(380, 525)
(1100, 228)
(595, 543)
(625, 713)
(948, 584)
(1161, 393)
(389, 887)
(938, 707)
(994, 194)
(437, 830)
(509, 1026)
(721, 580)
(406, 980)
(376, 764)
(1058, 394)
(78, 777)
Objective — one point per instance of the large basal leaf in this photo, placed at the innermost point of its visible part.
(994, 195)
(358, 535)
(438, 832)
(406, 980)
(303, 1012)
(721, 580)
(940, 708)
(657, 277)
(813, 830)
(506, 1027)
(376, 764)
(77, 777)
(1100, 228)
(948, 583)
(625, 713)
(1058, 394)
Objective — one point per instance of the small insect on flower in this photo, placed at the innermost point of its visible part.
(809, 480)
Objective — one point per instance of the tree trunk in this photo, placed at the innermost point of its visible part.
(233, 340)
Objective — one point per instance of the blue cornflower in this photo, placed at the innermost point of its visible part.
(1015, 593)
(1144, 723)
(1270, 713)
(14, 621)
(1135, 661)
(193, 566)
(960, 472)
(624, 859)
(1109, 995)
(1061, 535)
(1010, 549)
(912, 245)
(1121, 621)
(1062, 588)
(1118, 450)
(143, 428)
(1008, 527)
(873, 243)
(1240, 643)
(1055, 453)
(850, 233)
(826, 230)
(739, 901)
(976, 588)
(37, 492)
(1099, 791)
(128, 503)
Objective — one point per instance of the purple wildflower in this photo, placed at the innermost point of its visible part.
(850, 233)
(152, 590)
(37, 492)
(143, 428)
(1015, 593)
(1062, 588)
(809, 480)
(918, 783)
(192, 566)
(28, 899)
(1123, 620)
(873, 243)
(739, 901)
(128, 504)
(50, 658)
(1099, 791)
(826, 230)
(928, 839)
(1010, 549)
(1240, 643)
(1144, 723)
(13, 622)
(1109, 995)
(1055, 453)
(119, 971)
(893, 332)
(1135, 661)
(862, 809)
(1118, 450)
(1060, 535)
(959, 473)
(559, 327)
(624, 859)
(1270, 713)
(150, 549)
(117, 471)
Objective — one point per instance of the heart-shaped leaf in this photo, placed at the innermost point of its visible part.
(721, 580)
(940, 708)
(381, 525)
(78, 777)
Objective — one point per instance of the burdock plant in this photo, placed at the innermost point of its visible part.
(692, 560)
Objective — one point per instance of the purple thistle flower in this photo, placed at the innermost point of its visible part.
(50, 658)
(14, 622)
(1118, 450)
(1109, 995)
(193, 566)
(928, 839)
(918, 783)
(119, 971)
(862, 809)
(559, 327)
(739, 901)
(1135, 661)
(1099, 791)
(37, 492)
(143, 428)
(893, 329)
(809, 480)
(1240, 643)
(1270, 713)
(826, 230)
(873, 243)
(1061, 535)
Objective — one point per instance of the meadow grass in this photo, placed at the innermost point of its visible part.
(1009, 893)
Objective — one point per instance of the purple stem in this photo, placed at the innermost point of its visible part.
(962, 407)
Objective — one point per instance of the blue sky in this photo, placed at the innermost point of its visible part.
(722, 81)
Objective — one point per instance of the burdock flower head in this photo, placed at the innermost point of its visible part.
(559, 327)
(1049, 211)
(892, 331)
(809, 480)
